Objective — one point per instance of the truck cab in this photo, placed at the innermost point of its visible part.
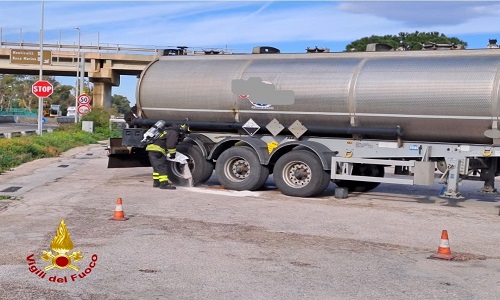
(55, 110)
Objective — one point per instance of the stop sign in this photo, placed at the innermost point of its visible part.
(42, 88)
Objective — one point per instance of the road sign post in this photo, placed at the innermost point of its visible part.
(83, 109)
(84, 99)
(42, 89)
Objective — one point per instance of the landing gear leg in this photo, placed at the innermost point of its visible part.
(452, 176)
(488, 175)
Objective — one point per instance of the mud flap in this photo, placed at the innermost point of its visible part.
(128, 161)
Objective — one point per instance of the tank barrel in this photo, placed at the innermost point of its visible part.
(429, 94)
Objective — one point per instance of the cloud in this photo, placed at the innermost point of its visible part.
(106, 17)
(261, 23)
(216, 24)
(269, 23)
(425, 14)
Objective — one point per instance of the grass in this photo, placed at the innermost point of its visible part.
(19, 150)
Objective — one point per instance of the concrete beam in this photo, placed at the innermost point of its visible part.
(64, 64)
(103, 73)
(102, 69)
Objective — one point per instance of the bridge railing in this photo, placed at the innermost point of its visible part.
(98, 48)
(27, 39)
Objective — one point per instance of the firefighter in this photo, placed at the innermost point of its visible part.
(161, 148)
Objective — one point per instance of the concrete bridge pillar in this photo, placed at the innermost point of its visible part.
(102, 95)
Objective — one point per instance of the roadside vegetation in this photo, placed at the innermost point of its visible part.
(412, 40)
(16, 96)
(19, 150)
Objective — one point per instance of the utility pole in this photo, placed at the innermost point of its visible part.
(40, 99)
(77, 90)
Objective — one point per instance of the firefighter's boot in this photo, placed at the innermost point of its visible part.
(156, 183)
(166, 185)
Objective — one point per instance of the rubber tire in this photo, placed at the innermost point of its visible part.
(320, 179)
(201, 169)
(361, 186)
(256, 178)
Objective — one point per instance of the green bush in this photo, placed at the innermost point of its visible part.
(19, 150)
(99, 116)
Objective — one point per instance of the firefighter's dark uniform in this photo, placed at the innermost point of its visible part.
(157, 152)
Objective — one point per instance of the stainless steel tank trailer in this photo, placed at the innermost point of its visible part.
(314, 118)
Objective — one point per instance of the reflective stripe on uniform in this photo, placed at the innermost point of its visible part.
(153, 147)
(156, 175)
(163, 178)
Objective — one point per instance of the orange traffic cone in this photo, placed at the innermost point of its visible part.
(444, 251)
(118, 213)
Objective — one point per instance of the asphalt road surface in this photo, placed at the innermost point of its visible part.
(14, 128)
(209, 243)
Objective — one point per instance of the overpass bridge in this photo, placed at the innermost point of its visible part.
(103, 64)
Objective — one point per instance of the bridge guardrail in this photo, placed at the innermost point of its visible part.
(104, 47)
(115, 48)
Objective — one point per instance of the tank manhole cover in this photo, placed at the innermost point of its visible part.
(11, 189)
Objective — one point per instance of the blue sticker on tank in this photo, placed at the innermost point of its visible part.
(414, 147)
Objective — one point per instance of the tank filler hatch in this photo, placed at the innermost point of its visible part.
(181, 50)
(265, 50)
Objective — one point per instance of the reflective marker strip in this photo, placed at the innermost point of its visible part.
(444, 243)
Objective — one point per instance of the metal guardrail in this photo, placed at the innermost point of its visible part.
(105, 47)
(115, 48)
(9, 135)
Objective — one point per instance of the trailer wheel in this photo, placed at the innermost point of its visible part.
(300, 174)
(239, 168)
(362, 170)
(201, 169)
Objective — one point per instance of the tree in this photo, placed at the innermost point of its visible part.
(413, 40)
(15, 90)
(120, 103)
(62, 96)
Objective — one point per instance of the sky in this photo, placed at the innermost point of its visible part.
(290, 26)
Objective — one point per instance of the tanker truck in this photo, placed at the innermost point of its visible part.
(310, 119)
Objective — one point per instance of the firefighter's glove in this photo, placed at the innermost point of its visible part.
(171, 156)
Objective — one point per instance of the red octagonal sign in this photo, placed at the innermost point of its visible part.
(42, 88)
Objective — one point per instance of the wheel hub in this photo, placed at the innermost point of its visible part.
(299, 174)
(240, 169)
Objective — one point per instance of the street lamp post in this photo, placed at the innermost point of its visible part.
(40, 100)
(77, 91)
(11, 95)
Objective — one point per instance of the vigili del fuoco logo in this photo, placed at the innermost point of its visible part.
(59, 257)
